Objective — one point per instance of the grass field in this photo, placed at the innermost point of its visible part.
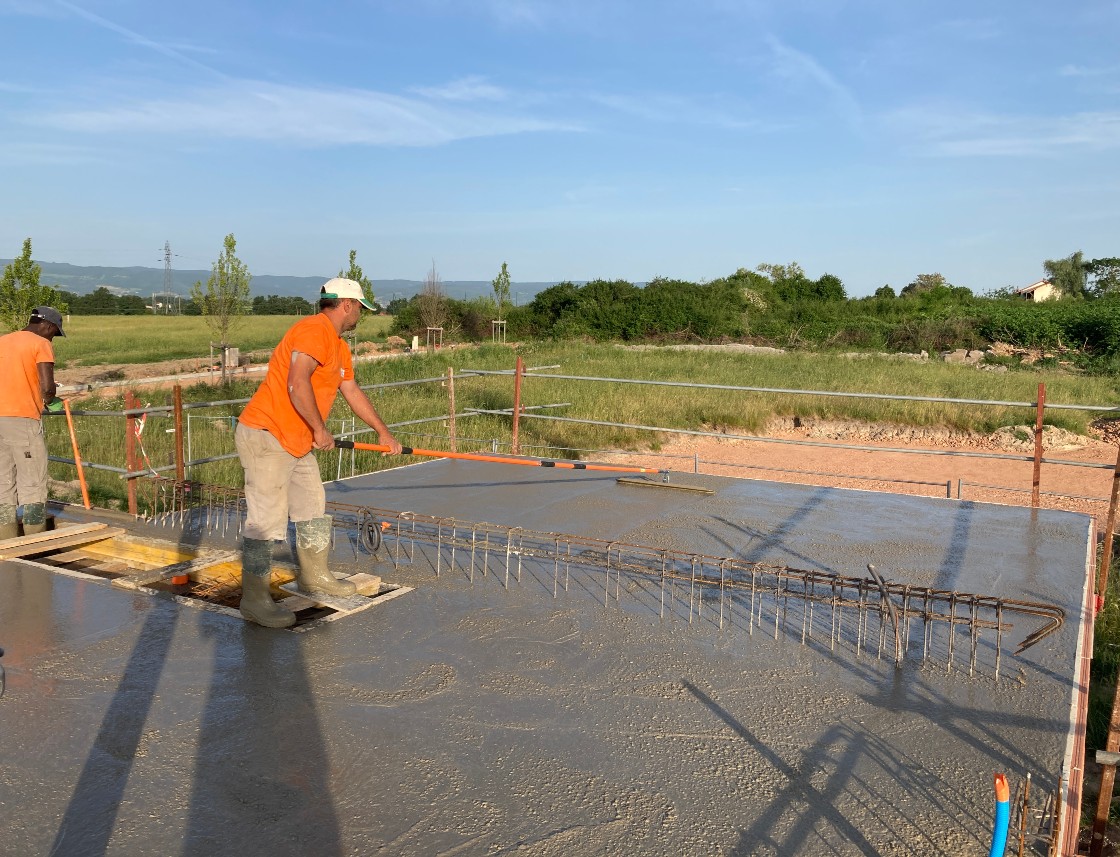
(97, 339)
(685, 407)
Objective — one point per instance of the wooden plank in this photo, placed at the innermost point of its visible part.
(343, 604)
(49, 535)
(67, 539)
(295, 603)
(143, 578)
(367, 584)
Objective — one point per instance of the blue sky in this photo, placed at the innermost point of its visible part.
(573, 139)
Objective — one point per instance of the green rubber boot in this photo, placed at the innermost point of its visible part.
(9, 526)
(256, 600)
(313, 546)
(34, 518)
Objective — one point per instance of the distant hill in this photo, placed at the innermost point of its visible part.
(83, 279)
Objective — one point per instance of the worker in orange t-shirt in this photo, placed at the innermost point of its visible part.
(276, 435)
(26, 386)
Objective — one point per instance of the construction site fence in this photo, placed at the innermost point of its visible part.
(184, 461)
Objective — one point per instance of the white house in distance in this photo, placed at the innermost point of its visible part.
(1043, 290)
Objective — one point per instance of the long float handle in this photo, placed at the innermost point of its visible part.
(77, 455)
(500, 459)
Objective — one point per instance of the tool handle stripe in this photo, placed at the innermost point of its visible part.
(499, 459)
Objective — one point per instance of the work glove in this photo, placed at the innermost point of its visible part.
(54, 406)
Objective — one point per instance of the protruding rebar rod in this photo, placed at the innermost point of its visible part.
(692, 591)
(1024, 809)
(999, 641)
(454, 537)
(664, 558)
(952, 629)
(974, 630)
(722, 571)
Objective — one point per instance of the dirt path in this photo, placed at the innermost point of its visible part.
(935, 462)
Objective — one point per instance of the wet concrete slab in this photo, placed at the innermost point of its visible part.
(471, 718)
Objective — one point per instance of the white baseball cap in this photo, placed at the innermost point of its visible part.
(340, 287)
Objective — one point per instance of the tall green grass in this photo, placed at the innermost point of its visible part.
(101, 439)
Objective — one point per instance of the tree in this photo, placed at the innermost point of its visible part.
(20, 291)
(789, 281)
(1105, 276)
(1067, 275)
(830, 288)
(131, 305)
(432, 302)
(355, 273)
(885, 292)
(226, 297)
(100, 301)
(923, 283)
(397, 306)
(501, 288)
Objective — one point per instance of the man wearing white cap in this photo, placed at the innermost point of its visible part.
(276, 434)
(26, 388)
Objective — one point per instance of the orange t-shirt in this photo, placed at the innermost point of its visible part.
(271, 407)
(20, 355)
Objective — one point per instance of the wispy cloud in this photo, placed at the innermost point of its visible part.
(659, 107)
(532, 12)
(799, 66)
(135, 38)
(1088, 71)
(948, 133)
(588, 194)
(34, 8)
(303, 116)
(22, 154)
(472, 88)
(542, 15)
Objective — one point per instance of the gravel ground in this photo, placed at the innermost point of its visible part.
(995, 468)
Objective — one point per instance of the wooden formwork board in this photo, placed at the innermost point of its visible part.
(126, 561)
(52, 540)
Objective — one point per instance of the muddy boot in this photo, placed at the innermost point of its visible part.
(34, 518)
(313, 545)
(256, 600)
(9, 526)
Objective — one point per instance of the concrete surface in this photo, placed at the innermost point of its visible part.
(471, 719)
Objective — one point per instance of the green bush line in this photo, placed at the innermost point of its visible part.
(749, 307)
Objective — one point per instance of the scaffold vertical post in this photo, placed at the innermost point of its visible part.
(1040, 408)
(517, 373)
(1109, 528)
(131, 463)
(451, 408)
(180, 461)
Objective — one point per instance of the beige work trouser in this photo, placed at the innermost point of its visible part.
(23, 462)
(278, 486)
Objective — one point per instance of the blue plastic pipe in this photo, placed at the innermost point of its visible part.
(1003, 817)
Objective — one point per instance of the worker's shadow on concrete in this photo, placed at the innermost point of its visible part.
(801, 794)
(90, 816)
(802, 816)
(87, 825)
(261, 774)
(262, 770)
